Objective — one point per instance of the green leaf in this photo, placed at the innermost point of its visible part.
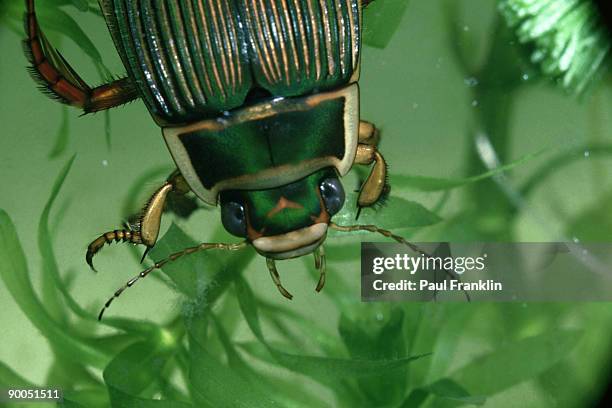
(70, 375)
(286, 391)
(415, 399)
(81, 5)
(450, 390)
(107, 129)
(233, 358)
(325, 370)
(429, 184)
(86, 397)
(66, 403)
(9, 378)
(62, 136)
(193, 273)
(55, 19)
(203, 276)
(582, 226)
(394, 214)
(14, 273)
(50, 270)
(52, 281)
(327, 342)
(375, 332)
(445, 341)
(216, 385)
(381, 19)
(122, 400)
(138, 365)
(562, 160)
(515, 362)
(136, 368)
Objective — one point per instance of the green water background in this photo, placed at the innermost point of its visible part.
(427, 107)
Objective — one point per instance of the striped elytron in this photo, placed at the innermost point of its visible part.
(258, 103)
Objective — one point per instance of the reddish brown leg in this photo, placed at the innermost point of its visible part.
(58, 79)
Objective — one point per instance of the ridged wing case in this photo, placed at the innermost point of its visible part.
(193, 59)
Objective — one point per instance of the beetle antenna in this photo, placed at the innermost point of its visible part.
(375, 229)
(171, 258)
(397, 238)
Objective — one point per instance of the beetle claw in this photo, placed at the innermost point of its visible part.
(284, 292)
(89, 260)
(359, 208)
(145, 253)
(321, 266)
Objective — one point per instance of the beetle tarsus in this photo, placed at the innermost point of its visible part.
(108, 238)
(146, 230)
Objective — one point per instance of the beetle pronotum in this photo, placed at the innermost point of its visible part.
(258, 103)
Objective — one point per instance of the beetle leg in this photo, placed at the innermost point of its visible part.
(146, 230)
(376, 183)
(320, 264)
(368, 133)
(61, 81)
(367, 153)
(276, 278)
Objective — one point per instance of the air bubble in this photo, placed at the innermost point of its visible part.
(474, 103)
(470, 82)
(587, 154)
(105, 163)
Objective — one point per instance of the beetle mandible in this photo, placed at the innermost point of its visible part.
(258, 103)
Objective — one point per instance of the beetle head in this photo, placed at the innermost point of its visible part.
(286, 221)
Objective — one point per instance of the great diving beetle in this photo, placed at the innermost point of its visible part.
(258, 103)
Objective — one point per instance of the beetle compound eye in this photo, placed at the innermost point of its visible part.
(233, 218)
(333, 194)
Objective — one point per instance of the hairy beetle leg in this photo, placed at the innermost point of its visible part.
(146, 229)
(61, 82)
(276, 278)
(321, 266)
(367, 153)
